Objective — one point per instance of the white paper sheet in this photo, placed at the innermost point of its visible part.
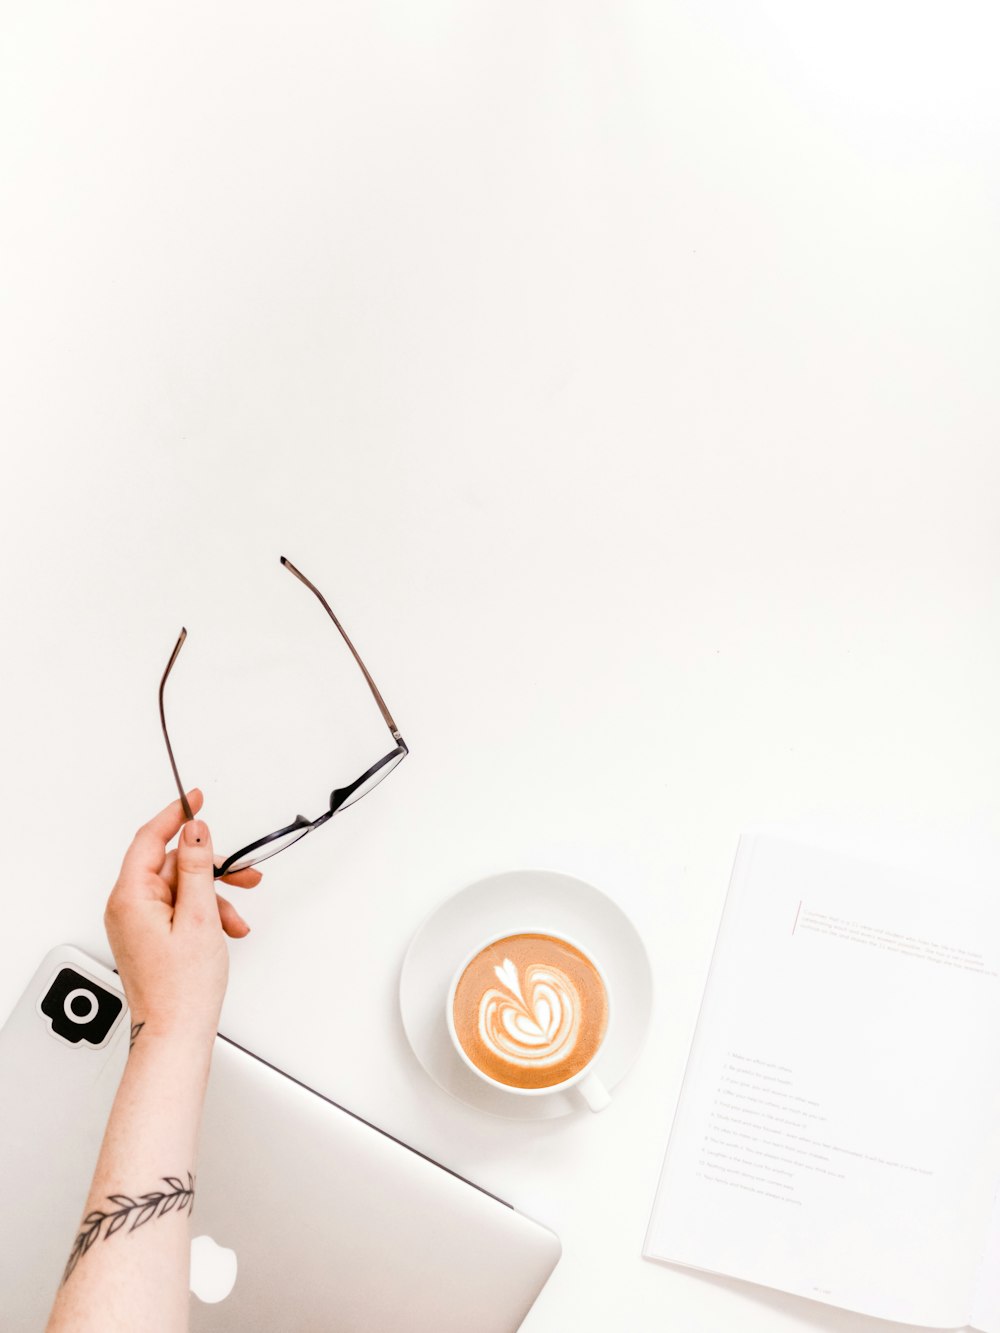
(836, 1131)
(986, 1303)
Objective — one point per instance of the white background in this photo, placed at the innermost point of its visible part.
(624, 374)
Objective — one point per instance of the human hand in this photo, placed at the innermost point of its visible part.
(165, 925)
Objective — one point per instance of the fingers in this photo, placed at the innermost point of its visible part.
(241, 879)
(194, 901)
(232, 923)
(148, 849)
(187, 869)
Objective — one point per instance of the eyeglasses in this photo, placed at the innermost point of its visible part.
(340, 799)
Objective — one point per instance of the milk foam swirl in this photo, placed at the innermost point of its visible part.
(534, 1020)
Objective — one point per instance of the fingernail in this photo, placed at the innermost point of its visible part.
(195, 832)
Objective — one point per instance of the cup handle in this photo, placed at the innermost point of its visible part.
(594, 1093)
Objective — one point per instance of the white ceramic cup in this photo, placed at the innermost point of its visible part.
(584, 1081)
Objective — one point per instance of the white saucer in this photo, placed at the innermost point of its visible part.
(509, 903)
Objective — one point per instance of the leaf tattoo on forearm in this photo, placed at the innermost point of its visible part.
(136, 1029)
(155, 1204)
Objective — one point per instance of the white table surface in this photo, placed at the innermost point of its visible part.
(625, 374)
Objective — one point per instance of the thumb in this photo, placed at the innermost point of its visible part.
(195, 900)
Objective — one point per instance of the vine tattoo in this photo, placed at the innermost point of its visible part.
(136, 1029)
(155, 1204)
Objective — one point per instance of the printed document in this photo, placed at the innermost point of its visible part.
(838, 1130)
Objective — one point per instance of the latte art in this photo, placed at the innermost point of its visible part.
(534, 1024)
(530, 1011)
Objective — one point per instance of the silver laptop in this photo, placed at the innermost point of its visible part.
(306, 1217)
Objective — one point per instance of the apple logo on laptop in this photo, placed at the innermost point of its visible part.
(213, 1270)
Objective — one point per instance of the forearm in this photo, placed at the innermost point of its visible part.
(130, 1270)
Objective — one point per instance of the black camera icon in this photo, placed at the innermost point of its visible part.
(79, 1009)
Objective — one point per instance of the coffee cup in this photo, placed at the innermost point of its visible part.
(528, 1012)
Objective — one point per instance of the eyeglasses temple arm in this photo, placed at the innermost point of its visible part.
(188, 814)
(371, 684)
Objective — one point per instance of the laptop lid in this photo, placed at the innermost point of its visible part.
(306, 1217)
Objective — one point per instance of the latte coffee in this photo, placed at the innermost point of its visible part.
(530, 1011)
